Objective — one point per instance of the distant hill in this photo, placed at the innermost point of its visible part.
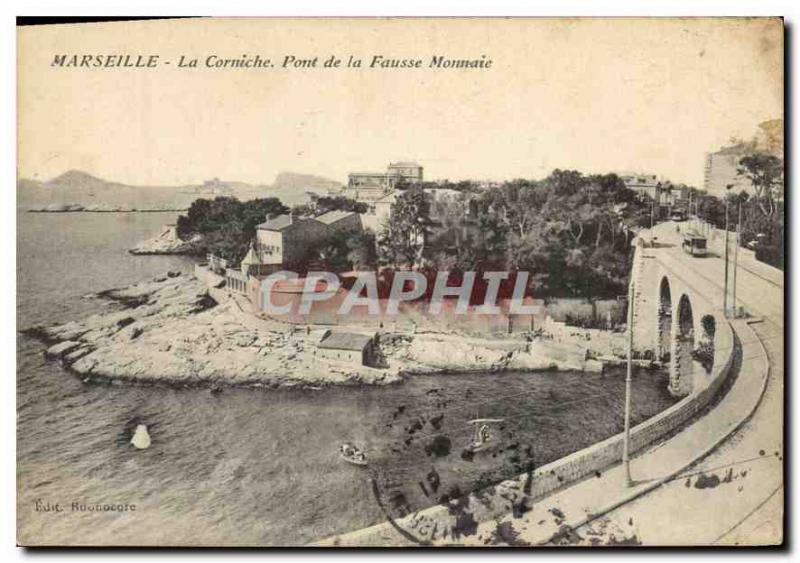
(78, 180)
(293, 180)
(84, 189)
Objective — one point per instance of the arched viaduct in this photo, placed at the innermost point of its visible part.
(675, 320)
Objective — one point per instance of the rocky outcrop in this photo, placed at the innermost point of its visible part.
(169, 330)
(169, 245)
(57, 208)
(448, 353)
(434, 353)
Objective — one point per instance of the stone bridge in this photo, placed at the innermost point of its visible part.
(678, 319)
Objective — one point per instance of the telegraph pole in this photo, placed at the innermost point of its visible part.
(725, 293)
(736, 256)
(652, 215)
(626, 444)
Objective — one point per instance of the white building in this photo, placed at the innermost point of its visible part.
(377, 190)
(721, 170)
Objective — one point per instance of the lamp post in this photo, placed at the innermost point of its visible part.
(725, 293)
(652, 214)
(626, 444)
(736, 256)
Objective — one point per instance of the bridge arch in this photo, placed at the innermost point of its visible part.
(664, 320)
(705, 349)
(682, 359)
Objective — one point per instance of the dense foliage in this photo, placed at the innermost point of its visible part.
(346, 250)
(465, 186)
(571, 232)
(322, 204)
(226, 224)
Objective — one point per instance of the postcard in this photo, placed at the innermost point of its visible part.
(400, 282)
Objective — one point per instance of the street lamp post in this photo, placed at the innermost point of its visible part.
(652, 215)
(626, 444)
(736, 255)
(725, 292)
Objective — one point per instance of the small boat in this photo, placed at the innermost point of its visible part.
(352, 454)
(483, 439)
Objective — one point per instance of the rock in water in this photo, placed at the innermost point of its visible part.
(141, 439)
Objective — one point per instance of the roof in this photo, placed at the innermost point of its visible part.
(333, 216)
(282, 222)
(276, 223)
(251, 257)
(345, 341)
(404, 164)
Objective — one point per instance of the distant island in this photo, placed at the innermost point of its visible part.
(78, 191)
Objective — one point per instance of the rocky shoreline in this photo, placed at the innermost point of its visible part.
(169, 330)
(166, 245)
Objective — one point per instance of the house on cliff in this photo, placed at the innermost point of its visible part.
(287, 239)
(348, 347)
(287, 242)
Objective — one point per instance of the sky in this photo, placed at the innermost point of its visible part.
(593, 95)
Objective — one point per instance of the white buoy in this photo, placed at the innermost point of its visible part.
(141, 439)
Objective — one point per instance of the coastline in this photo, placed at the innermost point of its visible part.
(170, 331)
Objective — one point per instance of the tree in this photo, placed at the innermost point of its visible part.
(362, 250)
(403, 238)
(765, 173)
(331, 253)
(323, 204)
(569, 231)
(226, 224)
(450, 242)
(304, 210)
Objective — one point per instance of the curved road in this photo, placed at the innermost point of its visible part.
(735, 495)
